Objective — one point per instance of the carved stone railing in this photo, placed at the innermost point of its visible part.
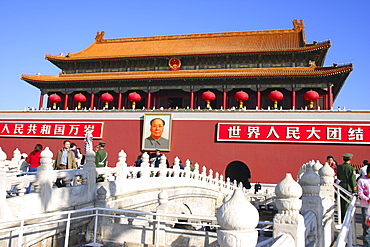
(83, 181)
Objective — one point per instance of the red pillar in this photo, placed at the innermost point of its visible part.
(258, 99)
(41, 100)
(148, 100)
(92, 100)
(119, 99)
(330, 92)
(191, 98)
(224, 98)
(65, 101)
(293, 98)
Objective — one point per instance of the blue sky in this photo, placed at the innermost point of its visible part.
(34, 28)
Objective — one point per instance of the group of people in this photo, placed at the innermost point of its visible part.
(154, 159)
(69, 157)
(346, 177)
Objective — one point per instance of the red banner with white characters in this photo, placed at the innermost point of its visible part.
(294, 133)
(50, 129)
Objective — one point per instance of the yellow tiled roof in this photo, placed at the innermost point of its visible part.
(194, 44)
(180, 74)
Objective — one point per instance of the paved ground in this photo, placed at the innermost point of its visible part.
(358, 219)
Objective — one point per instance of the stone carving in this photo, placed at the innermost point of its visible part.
(298, 25)
(88, 140)
(288, 220)
(238, 219)
(99, 36)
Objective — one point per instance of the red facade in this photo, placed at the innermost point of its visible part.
(195, 137)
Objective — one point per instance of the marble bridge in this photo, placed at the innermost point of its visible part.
(142, 205)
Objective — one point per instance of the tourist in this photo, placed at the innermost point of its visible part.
(157, 159)
(180, 165)
(73, 148)
(363, 170)
(34, 160)
(101, 155)
(23, 165)
(347, 178)
(139, 159)
(363, 187)
(332, 163)
(65, 159)
(80, 159)
(257, 187)
(155, 140)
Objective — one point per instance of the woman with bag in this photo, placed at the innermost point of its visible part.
(363, 189)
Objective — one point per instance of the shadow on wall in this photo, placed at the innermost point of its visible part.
(181, 241)
(240, 172)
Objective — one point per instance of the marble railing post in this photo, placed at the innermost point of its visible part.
(2, 182)
(92, 174)
(327, 180)
(327, 194)
(204, 174)
(162, 166)
(210, 176)
(238, 220)
(159, 236)
(196, 171)
(288, 220)
(187, 168)
(45, 177)
(16, 158)
(316, 167)
(311, 201)
(101, 196)
(145, 165)
(176, 167)
(121, 170)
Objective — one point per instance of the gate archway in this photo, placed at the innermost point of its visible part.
(240, 172)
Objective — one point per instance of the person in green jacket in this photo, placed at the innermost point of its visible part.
(346, 175)
(101, 155)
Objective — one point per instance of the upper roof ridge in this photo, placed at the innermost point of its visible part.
(298, 27)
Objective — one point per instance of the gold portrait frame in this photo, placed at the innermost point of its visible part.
(148, 143)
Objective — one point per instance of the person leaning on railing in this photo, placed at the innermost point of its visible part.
(363, 188)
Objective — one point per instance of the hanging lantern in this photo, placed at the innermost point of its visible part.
(134, 97)
(106, 98)
(55, 99)
(208, 97)
(79, 98)
(241, 96)
(311, 96)
(276, 96)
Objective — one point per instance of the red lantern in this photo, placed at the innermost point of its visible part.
(276, 96)
(241, 97)
(311, 96)
(79, 98)
(134, 97)
(55, 98)
(208, 97)
(106, 98)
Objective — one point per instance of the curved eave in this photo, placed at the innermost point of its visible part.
(307, 48)
(190, 74)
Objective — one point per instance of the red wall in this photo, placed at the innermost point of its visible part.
(196, 140)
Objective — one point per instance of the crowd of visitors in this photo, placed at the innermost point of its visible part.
(68, 157)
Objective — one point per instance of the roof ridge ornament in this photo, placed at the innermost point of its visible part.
(99, 36)
(298, 25)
